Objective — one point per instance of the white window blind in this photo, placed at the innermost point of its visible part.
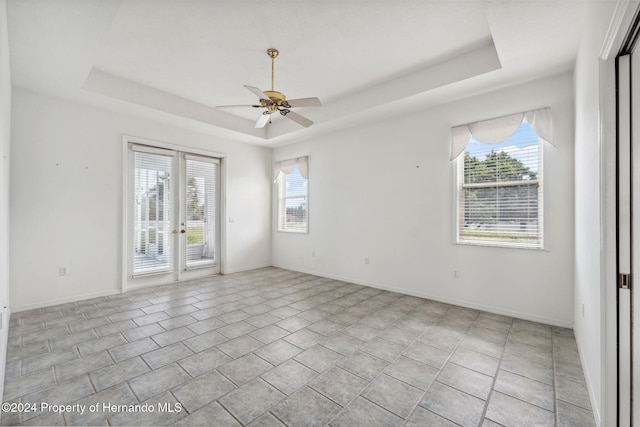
(153, 242)
(500, 199)
(200, 208)
(292, 182)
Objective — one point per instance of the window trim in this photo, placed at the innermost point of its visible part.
(458, 202)
(280, 201)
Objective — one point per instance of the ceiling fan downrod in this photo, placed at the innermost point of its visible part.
(273, 54)
(277, 99)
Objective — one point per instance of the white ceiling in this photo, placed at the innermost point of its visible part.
(177, 60)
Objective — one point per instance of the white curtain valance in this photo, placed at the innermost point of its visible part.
(287, 166)
(495, 131)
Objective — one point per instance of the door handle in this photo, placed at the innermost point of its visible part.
(183, 231)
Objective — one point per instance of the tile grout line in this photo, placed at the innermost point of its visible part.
(382, 372)
(495, 376)
(295, 288)
(307, 384)
(555, 382)
(434, 379)
(457, 346)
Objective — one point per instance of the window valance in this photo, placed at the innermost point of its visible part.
(287, 166)
(494, 131)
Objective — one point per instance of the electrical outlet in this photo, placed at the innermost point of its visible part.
(366, 260)
(64, 271)
(455, 273)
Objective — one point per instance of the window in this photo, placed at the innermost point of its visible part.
(291, 178)
(499, 188)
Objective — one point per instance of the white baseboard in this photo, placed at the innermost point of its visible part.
(58, 301)
(587, 378)
(466, 304)
(246, 268)
(491, 309)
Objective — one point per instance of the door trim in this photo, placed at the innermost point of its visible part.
(125, 215)
(624, 244)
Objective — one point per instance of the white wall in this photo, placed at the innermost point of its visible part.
(66, 198)
(386, 191)
(592, 81)
(5, 133)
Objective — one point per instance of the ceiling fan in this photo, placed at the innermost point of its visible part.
(276, 102)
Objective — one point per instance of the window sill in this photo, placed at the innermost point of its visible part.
(490, 244)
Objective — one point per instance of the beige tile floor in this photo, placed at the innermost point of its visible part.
(272, 347)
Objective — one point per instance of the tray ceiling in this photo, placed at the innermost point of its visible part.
(178, 60)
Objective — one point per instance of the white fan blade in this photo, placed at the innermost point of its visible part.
(262, 121)
(301, 120)
(304, 102)
(257, 92)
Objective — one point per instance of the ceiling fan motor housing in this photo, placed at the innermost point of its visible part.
(277, 97)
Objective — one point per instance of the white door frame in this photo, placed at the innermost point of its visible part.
(126, 190)
(624, 253)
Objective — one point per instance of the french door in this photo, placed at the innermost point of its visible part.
(172, 215)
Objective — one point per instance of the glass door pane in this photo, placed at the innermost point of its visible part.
(200, 205)
(152, 214)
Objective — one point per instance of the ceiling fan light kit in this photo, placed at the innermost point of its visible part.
(275, 101)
